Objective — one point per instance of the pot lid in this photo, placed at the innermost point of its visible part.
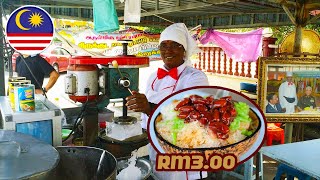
(22, 156)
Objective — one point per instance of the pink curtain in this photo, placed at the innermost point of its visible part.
(244, 47)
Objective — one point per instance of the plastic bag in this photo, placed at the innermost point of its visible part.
(105, 16)
(132, 11)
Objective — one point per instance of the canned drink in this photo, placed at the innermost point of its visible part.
(25, 81)
(12, 79)
(11, 91)
(24, 98)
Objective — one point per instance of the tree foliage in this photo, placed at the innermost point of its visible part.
(282, 31)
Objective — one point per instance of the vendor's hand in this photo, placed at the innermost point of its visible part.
(138, 103)
(39, 91)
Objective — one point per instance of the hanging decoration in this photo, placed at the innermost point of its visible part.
(244, 47)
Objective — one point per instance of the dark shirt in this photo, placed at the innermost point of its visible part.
(270, 109)
(306, 101)
(39, 67)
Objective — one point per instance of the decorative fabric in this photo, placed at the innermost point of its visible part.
(244, 47)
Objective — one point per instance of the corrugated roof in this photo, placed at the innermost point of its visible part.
(209, 13)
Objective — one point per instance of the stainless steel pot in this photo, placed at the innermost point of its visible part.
(82, 163)
(25, 157)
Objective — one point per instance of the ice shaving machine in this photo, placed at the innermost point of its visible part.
(94, 86)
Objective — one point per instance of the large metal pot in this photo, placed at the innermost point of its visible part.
(25, 157)
(82, 163)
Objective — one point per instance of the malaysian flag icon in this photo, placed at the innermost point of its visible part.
(29, 30)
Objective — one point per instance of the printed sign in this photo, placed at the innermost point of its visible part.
(142, 44)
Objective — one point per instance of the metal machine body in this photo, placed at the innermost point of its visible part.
(82, 78)
(81, 84)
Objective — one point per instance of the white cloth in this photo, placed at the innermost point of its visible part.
(290, 92)
(162, 88)
(179, 33)
(289, 74)
(132, 11)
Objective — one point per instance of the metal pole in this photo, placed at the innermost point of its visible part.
(90, 125)
(124, 109)
(2, 74)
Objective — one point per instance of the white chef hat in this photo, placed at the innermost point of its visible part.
(289, 74)
(179, 33)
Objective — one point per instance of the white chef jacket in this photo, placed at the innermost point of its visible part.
(288, 91)
(158, 89)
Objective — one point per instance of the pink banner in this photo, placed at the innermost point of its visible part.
(244, 47)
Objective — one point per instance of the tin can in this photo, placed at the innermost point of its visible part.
(25, 81)
(12, 79)
(11, 86)
(15, 81)
(24, 98)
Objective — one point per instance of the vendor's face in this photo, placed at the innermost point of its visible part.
(172, 53)
(308, 92)
(289, 79)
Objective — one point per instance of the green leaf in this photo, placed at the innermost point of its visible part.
(174, 138)
(246, 132)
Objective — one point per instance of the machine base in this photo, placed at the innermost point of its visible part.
(125, 120)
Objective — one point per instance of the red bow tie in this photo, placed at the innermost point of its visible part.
(163, 73)
(290, 83)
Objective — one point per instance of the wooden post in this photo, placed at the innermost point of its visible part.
(288, 132)
(209, 59)
(257, 68)
(214, 60)
(199, 65)
(224, 63)
(249, 70)
(204, 58)
(242, 70)
(219, 60)
(237, 69)
(230, 67)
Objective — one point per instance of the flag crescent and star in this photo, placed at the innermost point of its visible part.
(29, 30)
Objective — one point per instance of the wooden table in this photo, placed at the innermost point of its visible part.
(303, 156)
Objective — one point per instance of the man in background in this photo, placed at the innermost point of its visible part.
(273, 104)
(39, 67)
(307, 100)
(288, 94)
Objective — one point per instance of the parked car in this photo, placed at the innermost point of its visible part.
(58, 57)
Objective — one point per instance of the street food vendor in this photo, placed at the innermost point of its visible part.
(288, 94)
(307, 100)
(39, 67)
(176, 47)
